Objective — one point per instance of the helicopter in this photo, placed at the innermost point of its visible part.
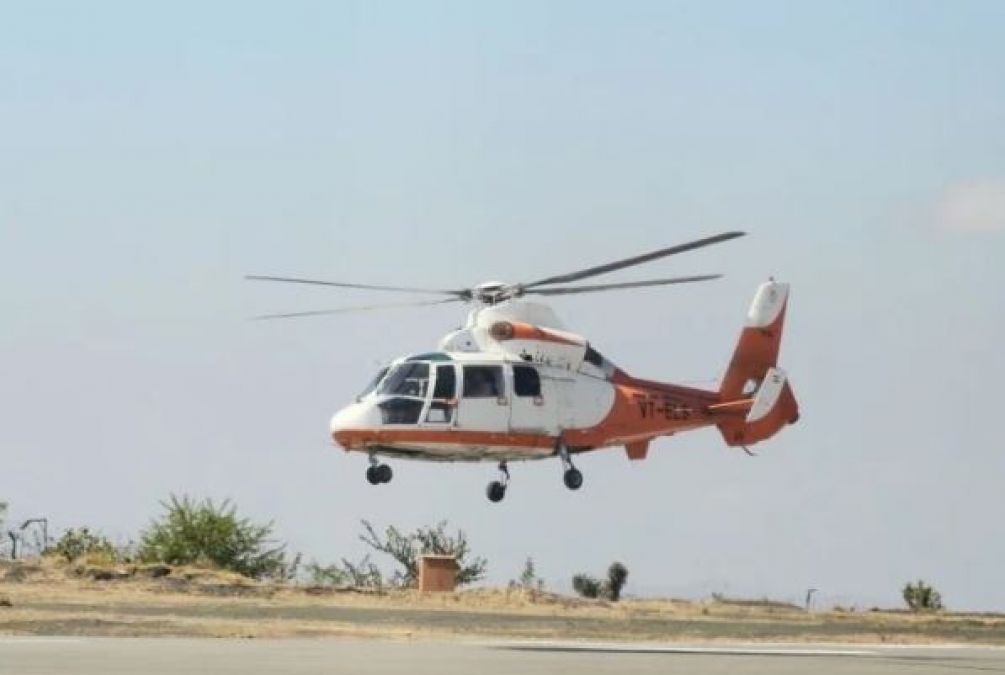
(515, 384)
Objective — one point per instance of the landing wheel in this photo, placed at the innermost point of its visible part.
(495, 491)
(379, 473)
(497, 488)
(573, 478)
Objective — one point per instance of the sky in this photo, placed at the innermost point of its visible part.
(152, 155)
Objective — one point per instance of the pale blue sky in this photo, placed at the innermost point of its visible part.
(150, 157)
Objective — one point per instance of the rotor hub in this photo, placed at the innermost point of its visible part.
(494, 292)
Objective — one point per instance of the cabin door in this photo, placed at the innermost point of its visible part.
(533, 407)
(484, 402)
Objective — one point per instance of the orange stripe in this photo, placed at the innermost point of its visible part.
(358, 438)
(526, 331)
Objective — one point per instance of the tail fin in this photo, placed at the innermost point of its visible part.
(752, 372)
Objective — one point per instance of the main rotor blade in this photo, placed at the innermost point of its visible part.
(569, 290)
(316, 282)
(358, 308)
(636, 260)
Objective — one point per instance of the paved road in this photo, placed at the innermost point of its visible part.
(169, 656)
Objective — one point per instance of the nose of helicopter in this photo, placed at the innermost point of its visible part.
(351, 422)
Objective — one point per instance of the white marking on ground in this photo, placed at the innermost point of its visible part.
(648, 648)
(31, 640)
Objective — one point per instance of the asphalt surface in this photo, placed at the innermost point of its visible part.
(171, 656)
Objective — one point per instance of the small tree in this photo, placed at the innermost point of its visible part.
(326, 575)
(921, 597)
(586, 586)
(610, 588)
(78, 542)
(528, 578)
(405, 549)
(191, 532)
(617, 575)
(3, 516)
(362, 574)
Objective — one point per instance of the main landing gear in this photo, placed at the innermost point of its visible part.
(378, 473)
(496, 490)
(573, 477)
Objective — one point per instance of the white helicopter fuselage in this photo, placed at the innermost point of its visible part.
(504, 387)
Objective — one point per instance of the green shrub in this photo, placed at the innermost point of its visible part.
(202, 533)
(529, 581)
(610, 588)
(586, 586)
(921, 597)
(80, 541)
(362, 574)
(617, 575)
(406, 549)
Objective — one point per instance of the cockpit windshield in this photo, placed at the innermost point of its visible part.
(373, 383)
(406, 379)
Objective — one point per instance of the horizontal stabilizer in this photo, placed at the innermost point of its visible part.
(767, 394)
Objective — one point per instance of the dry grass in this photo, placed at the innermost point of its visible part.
(48, 597)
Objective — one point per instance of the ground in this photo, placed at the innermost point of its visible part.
(45, 598)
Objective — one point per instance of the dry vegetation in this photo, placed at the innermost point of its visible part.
(49, 597)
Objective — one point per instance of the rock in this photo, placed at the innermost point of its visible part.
(105, 574)
(154, 571)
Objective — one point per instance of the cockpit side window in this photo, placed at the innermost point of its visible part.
(407, 379)
(526, 381)
(441, 408)
(446, 383)
(483, 382)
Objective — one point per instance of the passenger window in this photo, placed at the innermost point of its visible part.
(526, 381)
(483, 382)
(446, 383)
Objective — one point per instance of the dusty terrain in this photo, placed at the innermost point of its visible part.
(45, 598)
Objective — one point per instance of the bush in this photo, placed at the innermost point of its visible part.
(921, 597)
(326, 575)
(362, 574)
(590, 587)
(405, 549)
(529, 580)
(78, 542)
(203, 533)
(586, 586)
(617, 575)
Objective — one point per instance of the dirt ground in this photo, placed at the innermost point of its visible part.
(43, 598)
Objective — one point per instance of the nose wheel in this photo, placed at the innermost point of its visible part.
(573, 478)
(378, 473)
(496, 490)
